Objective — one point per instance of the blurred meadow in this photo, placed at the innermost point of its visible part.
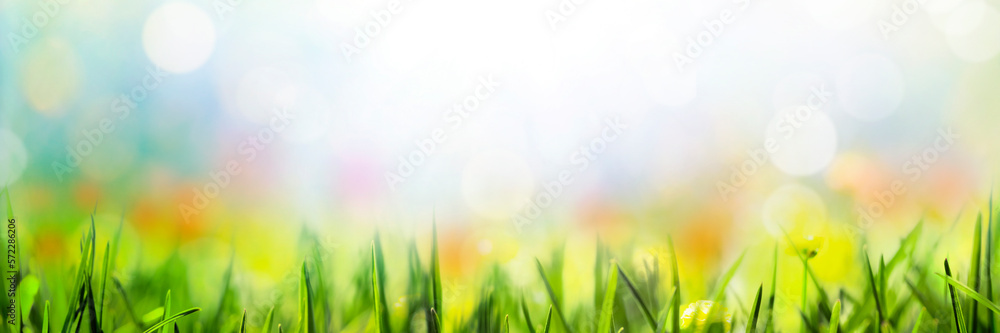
(495, 166)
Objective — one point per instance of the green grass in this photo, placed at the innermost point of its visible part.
(755, 311)
(606, 322)
(906, 290)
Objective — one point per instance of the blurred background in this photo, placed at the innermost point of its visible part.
(516, 124)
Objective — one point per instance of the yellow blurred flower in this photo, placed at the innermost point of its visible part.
(808, 245)
(697, 313)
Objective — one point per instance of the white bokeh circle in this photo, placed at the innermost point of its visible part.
(178, 37)
(979, 40)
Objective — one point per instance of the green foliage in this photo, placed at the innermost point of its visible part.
(170, 320)
(638, 299)
(548, 321)
(755, 311)
(435, 283)
(267, 321)
(378, 286)
(607, 309)
(902, 291)
(552, 294)
(306, 321)
(676, 299)
(527, 315)
(835, 318)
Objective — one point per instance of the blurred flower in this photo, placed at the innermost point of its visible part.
(701, 239)
(835, 258)
(50, 246)
(859, 175)
(808, 245)
(612, 222)
(697, 313)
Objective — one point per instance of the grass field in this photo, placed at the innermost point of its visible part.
(389, 287)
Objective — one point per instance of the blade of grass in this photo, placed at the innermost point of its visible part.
(860, 315)
(652, 280)
(875, 292)
(988, 270)
(755, 310)
(552, 294)
(929, 304)
(835, 318)
(380, 266)
(111, 263)
(555, 275)
(638, 298)
(306, 323)
(955, 284)
(78, 284)
(607, 309)
(675, 322)
(435, 273)
(662, 326)
(484, 312)
(243, 322)
(916, 324)
(267, 321)
(955, 304)
(320, 293)
(417, 284)
(906, 247)
(527, 315)
(720, 291)
(506, 324)
(172, 319)
(227, 279)
(88, 278)
(883, 276)
(91, 309)
(128, 304)
(104, 280)
(548, 321)
(166, 311)
(45, 318)
(900, 309)
(805, 299)
(435, 324)
(974, 273)
(807, 324)
(378, 295)
(774, 284)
